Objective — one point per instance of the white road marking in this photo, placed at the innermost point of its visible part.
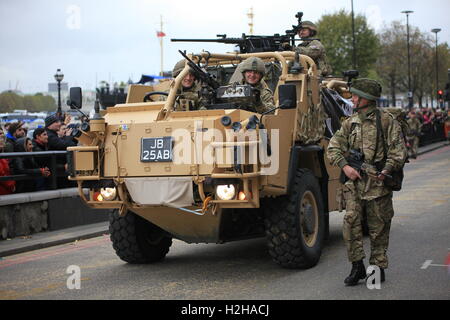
(428, 263)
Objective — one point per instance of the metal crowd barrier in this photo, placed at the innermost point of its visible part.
(431, 133)
(48, 154)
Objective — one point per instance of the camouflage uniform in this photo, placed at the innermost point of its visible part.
(359, 132)
(413, 137)
(188, 99)
(315, 50)
(265, 102)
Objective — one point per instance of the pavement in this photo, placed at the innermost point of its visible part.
(53, 238)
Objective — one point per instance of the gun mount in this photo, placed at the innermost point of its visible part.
(259, 43)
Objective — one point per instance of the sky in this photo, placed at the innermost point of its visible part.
(115, 40)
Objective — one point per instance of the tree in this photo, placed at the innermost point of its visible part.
(9, 101)
(443, 67)
(392, 65)
(30, 103)
(335, 33)
(391, 58)
(48, 103)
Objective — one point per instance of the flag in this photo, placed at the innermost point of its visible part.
(160, 34)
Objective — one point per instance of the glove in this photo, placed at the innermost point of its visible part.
(286, 46)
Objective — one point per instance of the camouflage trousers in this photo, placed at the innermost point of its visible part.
(379, 215)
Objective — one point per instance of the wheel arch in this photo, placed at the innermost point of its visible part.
(308, 157)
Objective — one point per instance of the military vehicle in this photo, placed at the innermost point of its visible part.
(221, 174)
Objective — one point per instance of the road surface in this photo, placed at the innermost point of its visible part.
(419, 255)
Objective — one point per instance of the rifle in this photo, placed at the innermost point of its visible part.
(251, 43)
(356, 161)
(200, 74)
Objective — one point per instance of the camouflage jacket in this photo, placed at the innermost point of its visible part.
(359, 132)
(414, 127)
(265, 101)
(316, 51)
(189, 99)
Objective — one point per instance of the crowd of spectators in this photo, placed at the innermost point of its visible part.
(53, 137)
(433, 121)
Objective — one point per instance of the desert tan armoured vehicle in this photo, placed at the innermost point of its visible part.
(215, 175)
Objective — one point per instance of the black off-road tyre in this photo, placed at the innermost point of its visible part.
(295, 224)
(137, 240)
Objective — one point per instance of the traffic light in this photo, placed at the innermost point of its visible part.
(440, 94)
(447, 92)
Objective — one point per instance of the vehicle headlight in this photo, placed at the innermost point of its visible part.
(108, 194)
(226, 192)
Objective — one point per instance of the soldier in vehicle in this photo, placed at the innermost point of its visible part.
(188, 97)
(253, 71)
(376, 135)
(313, 48)
(415, 126)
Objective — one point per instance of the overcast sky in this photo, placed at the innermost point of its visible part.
(115, 40)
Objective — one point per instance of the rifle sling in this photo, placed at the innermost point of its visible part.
(380, 128)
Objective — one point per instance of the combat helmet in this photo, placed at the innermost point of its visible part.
(366, 88)
(253, 64)
(311, 26)
(179, 66)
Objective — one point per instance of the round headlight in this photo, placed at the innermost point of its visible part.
(108, 194)
(226, 192)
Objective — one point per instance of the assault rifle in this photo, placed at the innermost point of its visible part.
(251, 43)
(200, 74)
(356, 161)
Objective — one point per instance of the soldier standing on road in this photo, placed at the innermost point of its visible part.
(313, 48)
(188, 97)
(362, 132)
(253, 71)
(414, 133)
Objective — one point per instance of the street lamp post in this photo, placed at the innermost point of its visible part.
(436, 30)
(410, 95)
(59, 76)
(354, 38)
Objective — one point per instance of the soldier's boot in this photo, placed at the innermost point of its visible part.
(382, 276)
(357, 273)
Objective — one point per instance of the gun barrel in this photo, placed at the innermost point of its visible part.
(220, 40)
(195, 40)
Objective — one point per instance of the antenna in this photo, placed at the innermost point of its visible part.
(161, 36)
(251, 15)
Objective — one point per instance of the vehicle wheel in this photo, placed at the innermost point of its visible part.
(137, 240)
(295, 226)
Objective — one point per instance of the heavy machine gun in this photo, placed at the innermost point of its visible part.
(251, 43)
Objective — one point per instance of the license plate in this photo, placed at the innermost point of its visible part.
(156, 149)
